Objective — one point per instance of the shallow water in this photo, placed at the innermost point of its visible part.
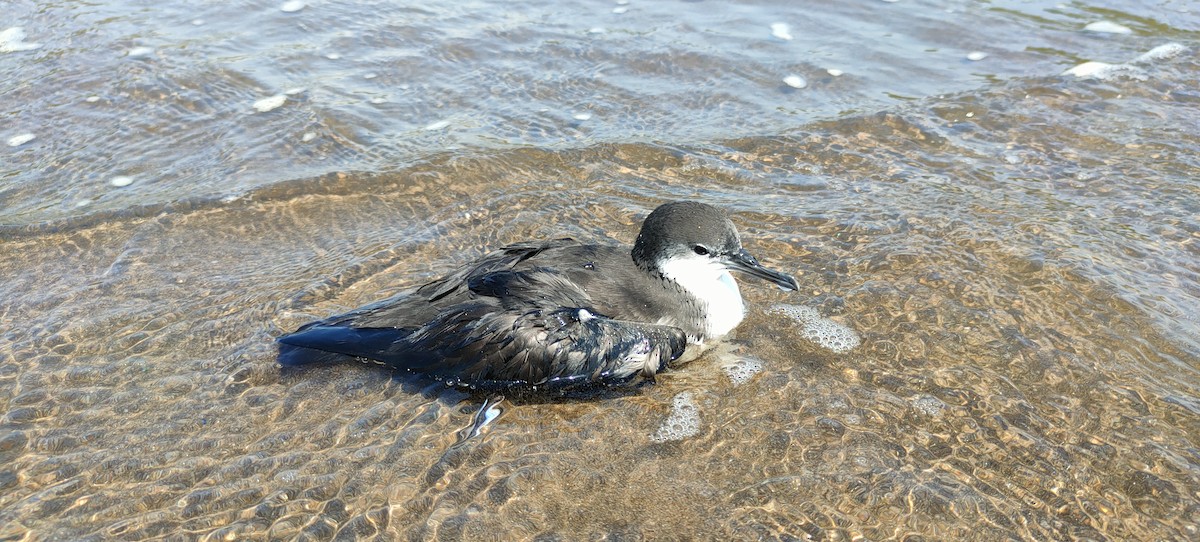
(1017, 250)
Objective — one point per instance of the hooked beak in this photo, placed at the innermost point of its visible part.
(744, 262)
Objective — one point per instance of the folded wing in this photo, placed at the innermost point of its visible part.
(518, 329)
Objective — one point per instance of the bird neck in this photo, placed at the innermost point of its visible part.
(716, 296)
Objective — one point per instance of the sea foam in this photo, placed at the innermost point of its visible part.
(683, 422)
(1130, 70)
(816, 328)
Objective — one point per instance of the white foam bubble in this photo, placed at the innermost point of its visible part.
(121, 180)
(976, 56)
(683, 422)
(140, 52)
(928, 404)
(834, 72)
(1108, 27)
(295, 90)
(92, 99)
(308, 136)
(333, 56)
(1090, 69)
(437, 125)
(741, 370)
(13, 40)
(781, 31)
(620, 9)
(269, 103)
(823, 331)
(1130, 70)
(795, 81)
(582, 116)
(292, 6)
(1162, 52)
(20, 139)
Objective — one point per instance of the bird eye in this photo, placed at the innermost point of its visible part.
(700, 249)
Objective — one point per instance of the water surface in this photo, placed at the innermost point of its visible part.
(1017, 250)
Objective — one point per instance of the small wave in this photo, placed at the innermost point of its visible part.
(1130, 70)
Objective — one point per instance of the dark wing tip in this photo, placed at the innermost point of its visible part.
(313, 344)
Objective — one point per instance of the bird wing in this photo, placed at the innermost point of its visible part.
(413, 308)
(521, 329)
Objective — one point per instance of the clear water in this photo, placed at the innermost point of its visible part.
(1017, 250)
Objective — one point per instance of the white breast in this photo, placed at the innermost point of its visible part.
(712, 284)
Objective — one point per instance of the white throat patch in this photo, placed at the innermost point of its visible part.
(712, 284)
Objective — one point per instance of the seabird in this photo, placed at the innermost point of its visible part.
(558, 314)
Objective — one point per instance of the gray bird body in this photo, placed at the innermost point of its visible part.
(556, 314)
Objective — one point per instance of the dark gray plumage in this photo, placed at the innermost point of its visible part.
(556, 314)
